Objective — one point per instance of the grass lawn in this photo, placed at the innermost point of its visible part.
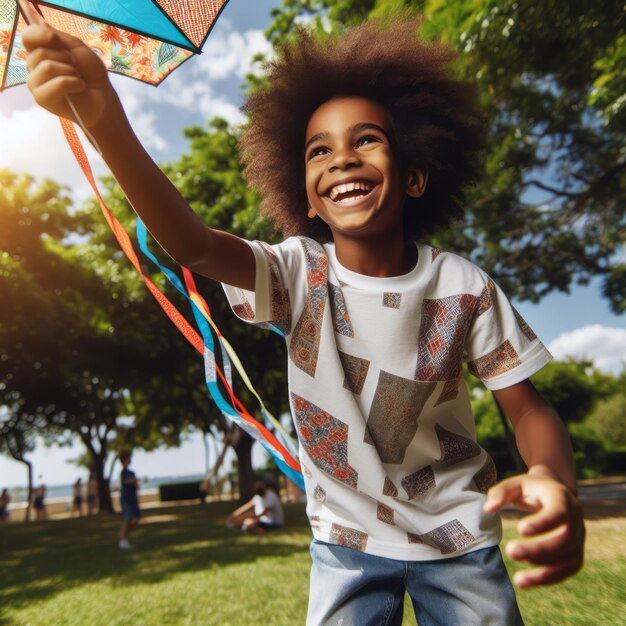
(190, 569)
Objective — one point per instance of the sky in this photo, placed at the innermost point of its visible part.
(576, 325)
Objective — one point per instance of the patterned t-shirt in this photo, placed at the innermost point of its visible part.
(387, 437)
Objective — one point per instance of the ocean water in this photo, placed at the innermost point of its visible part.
(19, 494)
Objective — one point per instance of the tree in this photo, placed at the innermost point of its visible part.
(572, 387)
(17, 438)
(550, 211)
(609, 419)
(76, 356)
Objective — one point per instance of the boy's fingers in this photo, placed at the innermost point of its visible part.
(509, 490)
(47, 70)
(40, 55)
(44, 36)
(32, 16)
(501, 493)
(552, 516)
(546, 575)
(57, 88)
(549, 549)
(549, 517)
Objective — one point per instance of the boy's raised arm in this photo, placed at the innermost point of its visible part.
(62, 66)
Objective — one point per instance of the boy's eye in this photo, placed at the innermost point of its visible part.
(365, 140)
(318, 152)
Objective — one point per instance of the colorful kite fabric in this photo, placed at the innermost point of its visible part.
(142, 39)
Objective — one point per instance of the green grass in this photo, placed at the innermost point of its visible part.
(190, 569)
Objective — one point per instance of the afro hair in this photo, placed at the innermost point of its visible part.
(435, 115)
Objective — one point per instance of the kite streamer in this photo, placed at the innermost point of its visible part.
(284, 453)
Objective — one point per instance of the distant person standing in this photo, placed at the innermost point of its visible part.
(39, 502)
(92, 495)
(5, 499)
(129, 501)
(77, 494)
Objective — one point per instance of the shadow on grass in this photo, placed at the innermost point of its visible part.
(39, 559)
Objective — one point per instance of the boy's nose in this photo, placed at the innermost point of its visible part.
(343, 159)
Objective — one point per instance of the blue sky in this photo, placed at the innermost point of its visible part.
(579, 324)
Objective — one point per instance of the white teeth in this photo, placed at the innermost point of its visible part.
(357, 185)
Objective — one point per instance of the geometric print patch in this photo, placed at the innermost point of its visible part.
(281, 307)
(496, 362)
(448, 538)
(442, 334)
(355, 372)
(243, 310)
(434, 254)
(325, 439)
(389, 489)
(523, 326)
(385, 514)
(341, 319)
(455, 448)
(449, 392)
(486, 476)
(305, 340)
(420, 483)
(485, 300)
(319, 493)
(392, 300)
(349, 537)
(392, 420)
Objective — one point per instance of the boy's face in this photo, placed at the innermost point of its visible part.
(353, 179)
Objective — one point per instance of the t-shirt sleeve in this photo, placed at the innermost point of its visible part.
(271, 302)
(259, 505)
(501, 349)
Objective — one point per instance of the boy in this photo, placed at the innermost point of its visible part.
(363, 143)
(128, 501)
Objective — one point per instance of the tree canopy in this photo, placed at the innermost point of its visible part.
(550, 210)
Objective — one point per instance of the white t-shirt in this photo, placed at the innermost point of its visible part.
(387, 436)
(270, 503)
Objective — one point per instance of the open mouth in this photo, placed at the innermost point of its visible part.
(350, 193)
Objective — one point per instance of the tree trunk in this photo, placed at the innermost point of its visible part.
(29, 502)
(243, 450)
(205, 442)
(104, 486)
(511, 444)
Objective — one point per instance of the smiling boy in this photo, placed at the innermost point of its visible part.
(360, 147)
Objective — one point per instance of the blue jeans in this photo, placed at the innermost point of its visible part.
(350, 588)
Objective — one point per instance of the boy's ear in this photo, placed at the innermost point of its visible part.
(416, 185)
(311, 213)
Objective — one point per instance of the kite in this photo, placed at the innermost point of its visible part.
(147, 40)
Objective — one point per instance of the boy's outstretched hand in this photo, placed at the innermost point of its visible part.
(555, 533)
(61, 66)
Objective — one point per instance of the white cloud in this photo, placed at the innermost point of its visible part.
(229, 53)
(31, 141)
(603, 345)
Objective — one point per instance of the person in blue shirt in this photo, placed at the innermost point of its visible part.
(128, 500)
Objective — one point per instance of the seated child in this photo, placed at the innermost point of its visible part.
(360, 146)
(262, 512)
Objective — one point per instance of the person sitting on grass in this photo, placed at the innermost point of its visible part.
(361, 146)
(129, 502)
(263, 512)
